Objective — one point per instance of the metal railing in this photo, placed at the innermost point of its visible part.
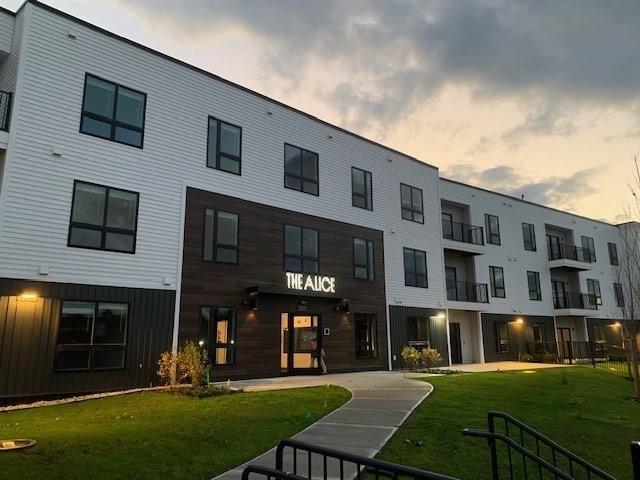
(270, 473)
(581, 301)
(559, 251)
(461, 232)
(467, 292)
(527, 453)
(5, 109)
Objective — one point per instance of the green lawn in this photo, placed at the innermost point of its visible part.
(591, 413)
(158, 435)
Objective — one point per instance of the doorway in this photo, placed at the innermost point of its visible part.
(300, 343)
(456, 343)
(564, 343)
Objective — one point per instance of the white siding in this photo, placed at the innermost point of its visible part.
(7, 22)
(36, 217)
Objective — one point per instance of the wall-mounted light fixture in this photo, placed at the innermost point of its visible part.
(518, 320)
(28, 296)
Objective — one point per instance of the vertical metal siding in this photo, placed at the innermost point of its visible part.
(519, 334)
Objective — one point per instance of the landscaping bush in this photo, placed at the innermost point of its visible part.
(410, 355)
(430, 357)
(189, 365)
(415, 359)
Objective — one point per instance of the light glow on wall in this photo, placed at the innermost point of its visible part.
(28, 296)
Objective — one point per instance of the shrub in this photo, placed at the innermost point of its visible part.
(167, 366)
(189, 365)
(430, 357)
(525, 357)
(410, 356)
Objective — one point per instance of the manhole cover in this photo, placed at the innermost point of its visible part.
(16, 444)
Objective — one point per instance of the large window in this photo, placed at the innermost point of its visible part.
(529, 236)
(361, 195)
(415, 268)
(619, 294)
(613, 253)
(411, 200)
(301, 170)
(218, 332)
(502, 337)
(366, 335)
(492, 227)
(220, 236)
(496, 276)
(301, 250)
(593, 288)
(224, 146)
(538, 332)
(103, 218)
(363, 259)
(533, 279)
(91, 336)
(589, 246)
(112, 111)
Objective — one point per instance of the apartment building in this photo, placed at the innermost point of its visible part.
(145, 203)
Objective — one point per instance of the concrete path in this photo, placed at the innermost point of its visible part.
(380, 403)
(503, 366)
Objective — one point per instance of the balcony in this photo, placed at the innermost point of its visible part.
(468, 293)
(569, 257)
(462, 237)
(574, 303)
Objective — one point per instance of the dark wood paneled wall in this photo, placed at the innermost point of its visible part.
(437, 335)
(29, 329)
(519, 334)
(261, 247)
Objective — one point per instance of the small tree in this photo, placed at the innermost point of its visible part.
(410, 356)
(167, 367)
(430, 357)
(193, 363)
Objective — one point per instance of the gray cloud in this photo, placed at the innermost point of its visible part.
(545, 122)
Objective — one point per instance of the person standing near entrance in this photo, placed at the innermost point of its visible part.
(322, 364)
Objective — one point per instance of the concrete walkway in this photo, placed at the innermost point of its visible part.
(380, 403)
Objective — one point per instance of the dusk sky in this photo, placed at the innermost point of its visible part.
(538, 97)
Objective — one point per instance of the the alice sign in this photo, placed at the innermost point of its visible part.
(314, 283)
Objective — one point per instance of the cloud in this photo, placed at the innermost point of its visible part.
(545, 122)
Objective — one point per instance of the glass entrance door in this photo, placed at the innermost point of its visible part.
(300, 343)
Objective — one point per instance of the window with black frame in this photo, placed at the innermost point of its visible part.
(589, 246)
(366, 335)
(301, 170)
(533, 280)
(218, 333)
(502, 337)
(529, 236)
(496, 277)
(113, 112)
(415, 268)
(301, 250)
(411, 201)
(220, 236)
(363, 259)
(91, 336)
(613, 254)
(593, 289)
(361, 194)
(224, 146)
(619, 294)
(103, 218)
(492, 227)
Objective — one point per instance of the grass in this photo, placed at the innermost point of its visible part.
(591, 412)
(158, 435)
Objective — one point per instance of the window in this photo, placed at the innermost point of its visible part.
(492, 227)
(411, 200)
(613, 253)
(593, 289)
(415, 268)
(619, 294)
(301, 170)
(220, 236)
(502, 337)
(91, 336)
(529, 235)
(361, 195)
(218, 332)
(103, 218)
(300, 249)
(496, 275)
(224, 146)
(533, 279)
(113, 112)
(363, 259)
(599, 334)
(538, 332)
(589, 246)
(366, 335)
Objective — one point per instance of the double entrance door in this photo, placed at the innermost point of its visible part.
(300, 343)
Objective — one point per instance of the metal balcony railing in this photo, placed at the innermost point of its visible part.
(467, 292)
(581, 301)
(5, 110)
(559, 251)
(461, 232)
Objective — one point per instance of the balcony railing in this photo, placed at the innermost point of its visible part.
(461, 232)
(581, 301)
(467, 292)
(5, 110)
(559, 251)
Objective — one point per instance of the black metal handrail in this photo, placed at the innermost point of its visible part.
(348, 465)
(269, 473)
(461, 232)
(579, 300)
(5, 109)
(546, 455)
(467, 292)
(560, 251)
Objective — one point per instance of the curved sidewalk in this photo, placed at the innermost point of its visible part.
(380, 403)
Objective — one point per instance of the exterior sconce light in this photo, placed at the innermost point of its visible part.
(519, 321)
(441, 316)
(28, 296)
(201, 343)
(616, 325)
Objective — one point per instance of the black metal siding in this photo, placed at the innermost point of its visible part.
(29, 329)
(519, 334)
